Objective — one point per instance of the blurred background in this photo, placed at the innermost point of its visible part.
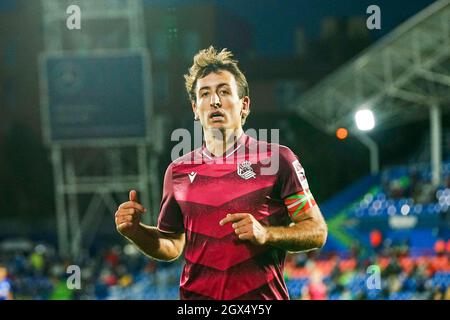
(87, 114)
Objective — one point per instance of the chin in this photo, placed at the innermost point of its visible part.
(217, 125)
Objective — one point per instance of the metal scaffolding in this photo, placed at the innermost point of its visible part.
(402, 78)
(107, 169)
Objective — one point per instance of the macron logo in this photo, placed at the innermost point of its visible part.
(192, 176)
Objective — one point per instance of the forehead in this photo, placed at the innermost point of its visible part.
(215, 79)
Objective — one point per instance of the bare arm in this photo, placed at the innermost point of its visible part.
(156, 244)
(307, 232)
(152, 242)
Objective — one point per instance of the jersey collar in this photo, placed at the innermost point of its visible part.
(240, 142)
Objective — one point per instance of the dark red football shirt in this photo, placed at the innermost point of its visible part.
(200, 190)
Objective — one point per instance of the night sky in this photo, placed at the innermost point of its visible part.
(274, 21)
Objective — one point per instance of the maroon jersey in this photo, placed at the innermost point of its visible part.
(200, 190)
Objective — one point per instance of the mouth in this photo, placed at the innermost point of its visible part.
(216, 116)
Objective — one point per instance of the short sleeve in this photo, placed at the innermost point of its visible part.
(170, 216)
(292, 178)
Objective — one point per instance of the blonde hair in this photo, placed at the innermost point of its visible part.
(210, 60)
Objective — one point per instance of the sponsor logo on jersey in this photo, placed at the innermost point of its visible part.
(192, 176)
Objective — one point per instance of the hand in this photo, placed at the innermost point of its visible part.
(128, 216)
(246, 227)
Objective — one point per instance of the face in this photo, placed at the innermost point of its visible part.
(217, 104)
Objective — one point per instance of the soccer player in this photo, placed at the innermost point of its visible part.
(234, 221)
(5, 285)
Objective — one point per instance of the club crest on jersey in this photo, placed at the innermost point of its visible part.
(245, 170)
(300, 174)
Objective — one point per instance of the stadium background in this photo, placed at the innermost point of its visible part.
(397, 219)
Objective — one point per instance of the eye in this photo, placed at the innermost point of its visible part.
(204, 93)
(223, 92)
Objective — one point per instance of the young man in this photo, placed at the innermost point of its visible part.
(234, 221)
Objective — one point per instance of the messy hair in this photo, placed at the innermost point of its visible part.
(210, 60)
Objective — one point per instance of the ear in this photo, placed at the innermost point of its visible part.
(245, 105)
(194, 109)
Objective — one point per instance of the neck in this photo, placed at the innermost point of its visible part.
(218, 141)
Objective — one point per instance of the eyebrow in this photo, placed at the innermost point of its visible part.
(218, 86)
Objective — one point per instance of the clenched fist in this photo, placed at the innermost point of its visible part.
(128, 216)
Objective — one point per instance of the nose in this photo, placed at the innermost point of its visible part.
(215, 101)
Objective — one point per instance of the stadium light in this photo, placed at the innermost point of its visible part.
(341, 133)
(364, 119)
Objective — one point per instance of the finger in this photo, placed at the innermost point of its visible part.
(233, 217)
(241, 223)
(121, 222)
(127, 212)
(131, 204)
(133, 195)
(246, 236)
(132, 211)
(243, 229)
(124, 219)
(130, 216)
(124, 225)
(125, 216)
(122, 213)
